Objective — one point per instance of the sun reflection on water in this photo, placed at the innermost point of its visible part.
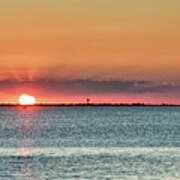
(26, 152)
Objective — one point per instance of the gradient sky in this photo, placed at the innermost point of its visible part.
(108, 50)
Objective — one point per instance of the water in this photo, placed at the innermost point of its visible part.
(84, 143)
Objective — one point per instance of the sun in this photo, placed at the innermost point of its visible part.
(26, 99)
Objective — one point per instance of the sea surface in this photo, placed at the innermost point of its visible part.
(90, 143)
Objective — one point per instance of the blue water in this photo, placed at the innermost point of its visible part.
(98, 143)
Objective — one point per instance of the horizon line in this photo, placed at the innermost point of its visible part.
(87, 104)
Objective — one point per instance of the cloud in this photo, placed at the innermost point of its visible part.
(89, 86)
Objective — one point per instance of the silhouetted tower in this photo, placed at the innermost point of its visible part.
(88, 101)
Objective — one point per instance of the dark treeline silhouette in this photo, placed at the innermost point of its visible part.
(90, 104)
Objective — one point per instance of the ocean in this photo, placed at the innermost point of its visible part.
(90, 143)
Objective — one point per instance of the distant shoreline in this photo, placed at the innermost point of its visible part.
(92, 105)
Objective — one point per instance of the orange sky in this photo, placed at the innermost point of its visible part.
(94, 40)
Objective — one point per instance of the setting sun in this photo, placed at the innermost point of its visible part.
(25, 99)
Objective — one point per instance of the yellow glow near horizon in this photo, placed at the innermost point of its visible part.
(25, 99)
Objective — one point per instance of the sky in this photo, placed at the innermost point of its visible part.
(115, 51)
